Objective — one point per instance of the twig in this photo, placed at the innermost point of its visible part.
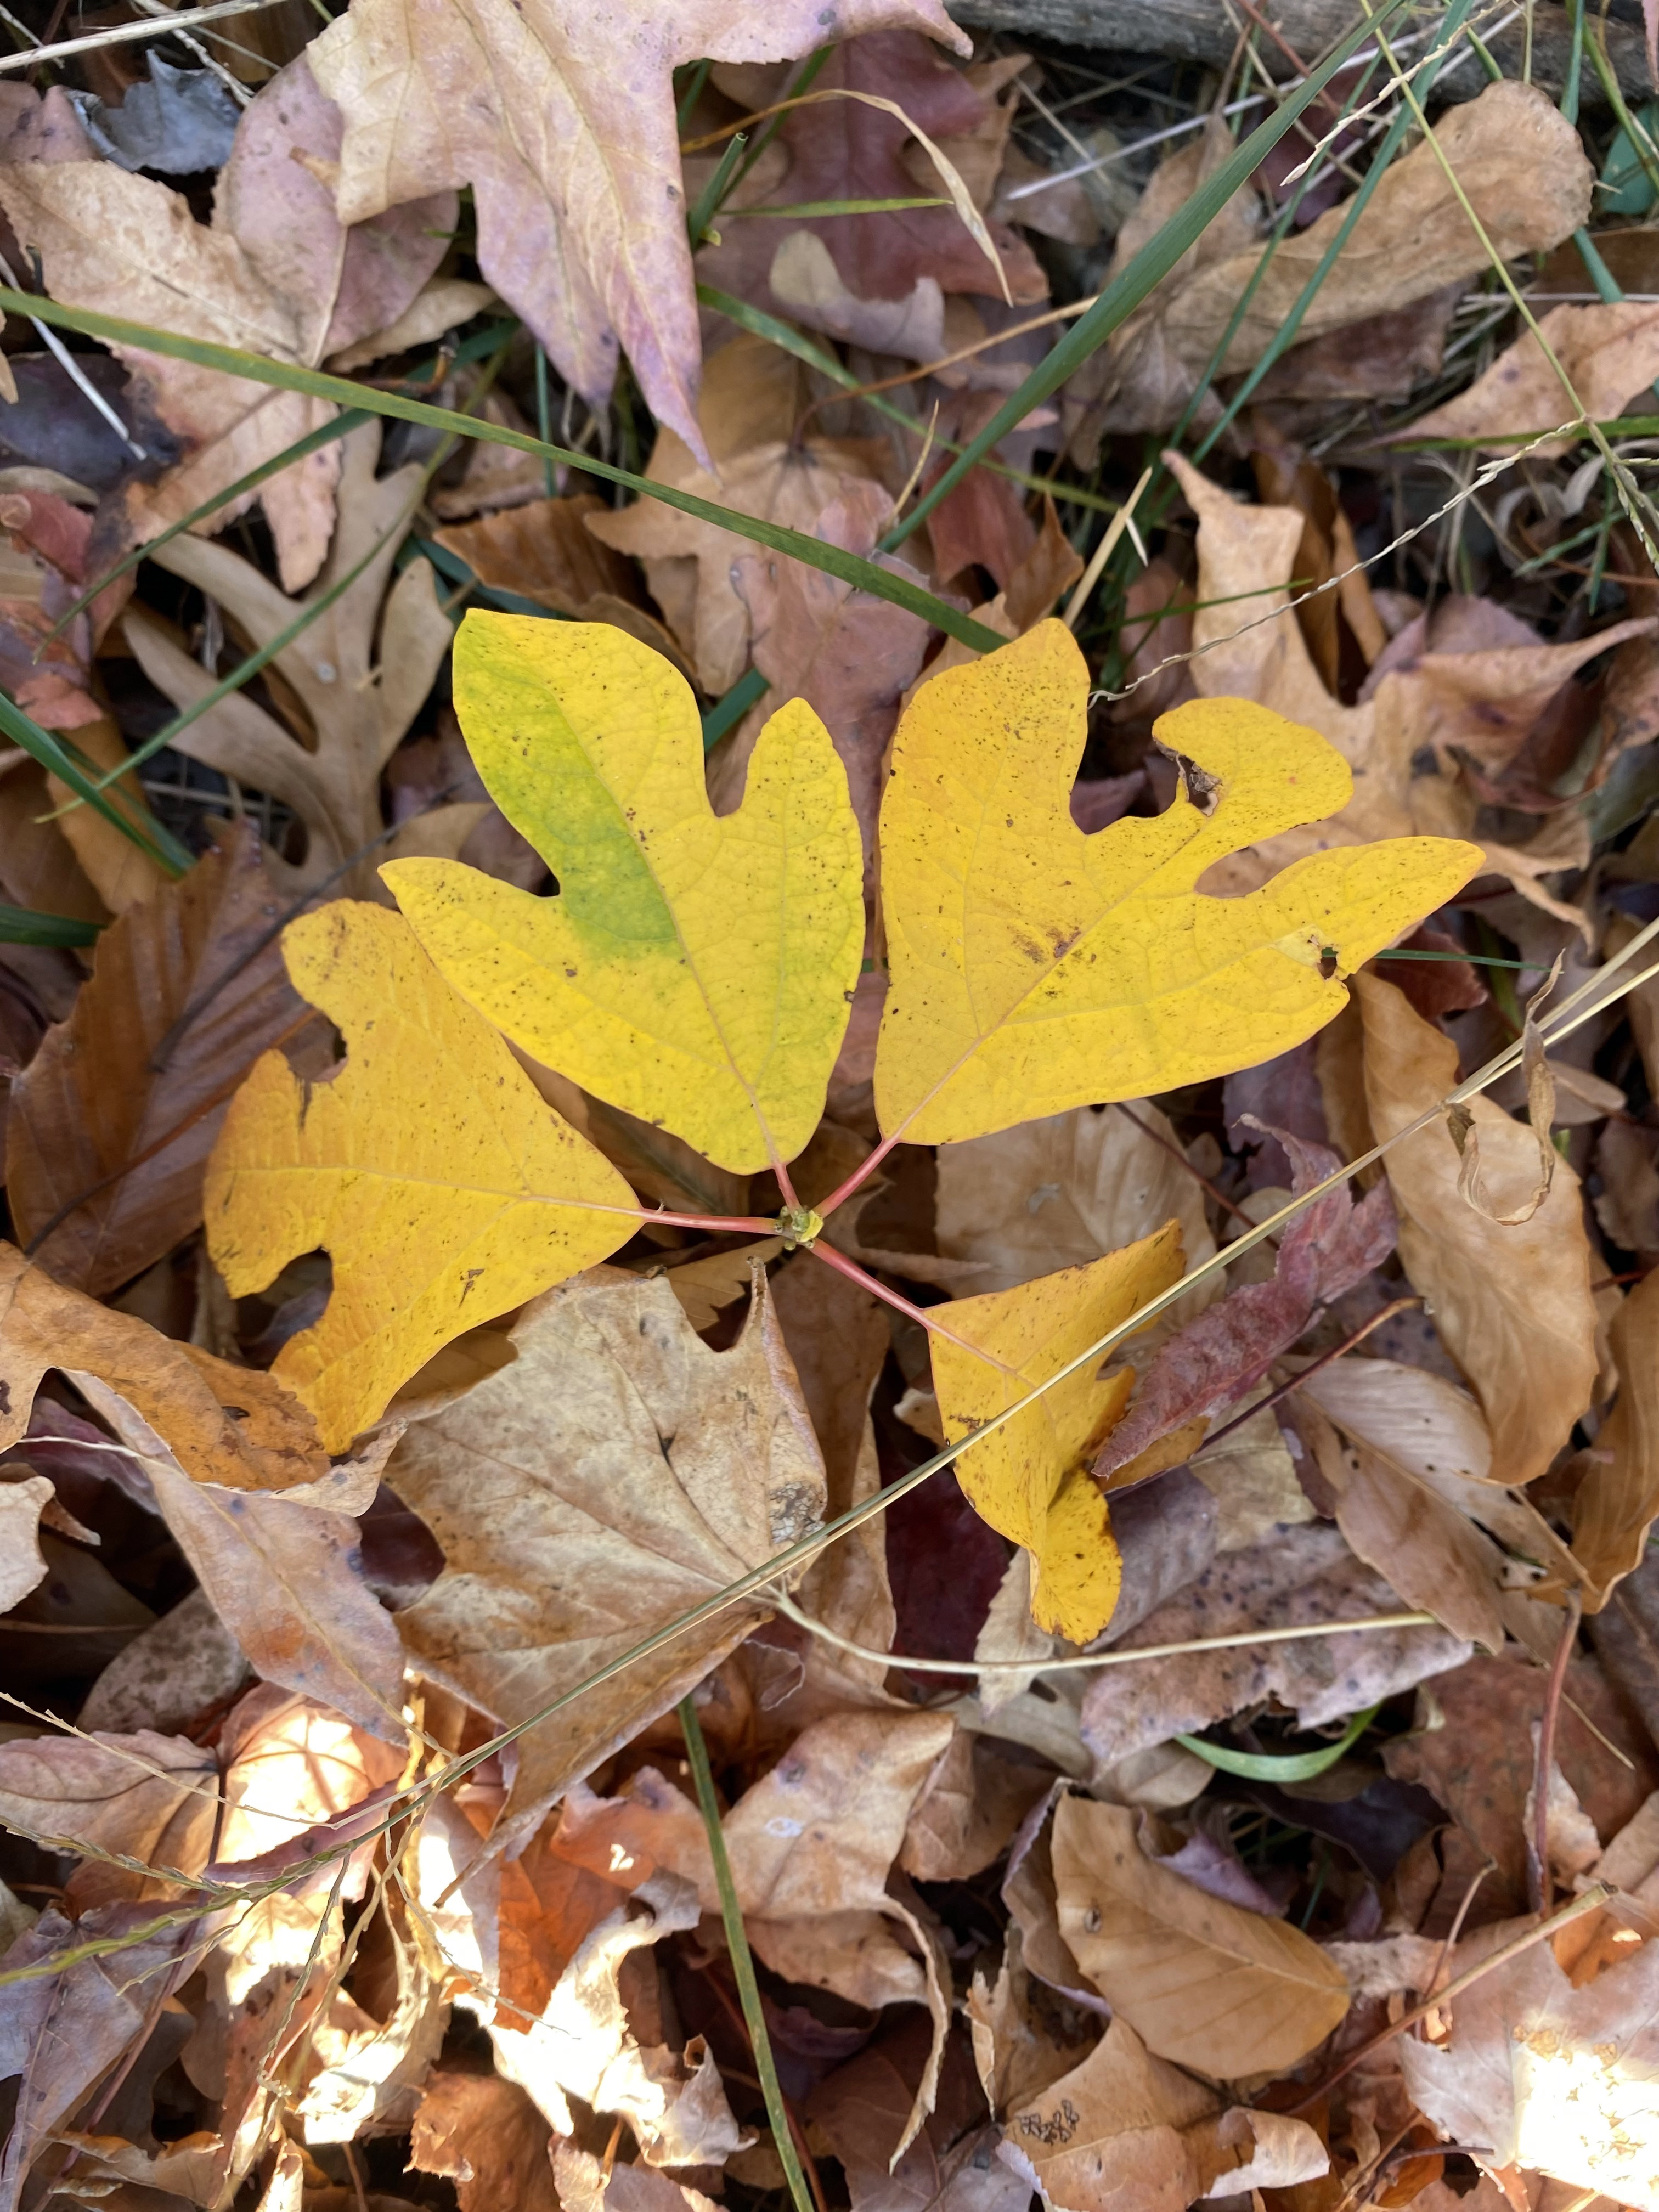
(1592, 1900)
(1079, 1661)
(153, 26)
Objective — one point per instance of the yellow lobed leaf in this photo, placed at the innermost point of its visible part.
(1029, 1479)
(695, 970)
(428, 1169)
(1034, 968)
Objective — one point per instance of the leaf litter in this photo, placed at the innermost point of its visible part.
(643, 1045)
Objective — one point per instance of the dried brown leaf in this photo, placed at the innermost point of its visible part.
(1511, 1303)
(94, 1099)
(617, 1473)
(1202, 1982)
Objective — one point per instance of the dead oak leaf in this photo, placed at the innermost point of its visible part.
(563, 122)
(617, 1473)
(274, 274)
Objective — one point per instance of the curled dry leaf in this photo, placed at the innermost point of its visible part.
(360, 673)
(565, 129)
(1127, 2132)
(1615, 1505)
(485, 2136)
(1030, 1478)
(228, 1425)
(1523, 170)
(285, 1574)
(1608, 353)
(1511, 1303)
(481, 1196)
(94, 1101)
(580, 2041)
(1203, 1982)
(617, 1473)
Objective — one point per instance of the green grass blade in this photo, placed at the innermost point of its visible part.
(1291, 1766)
(135, 821)
(1146, 270)
(743, 1966)
(288, 376)
(20, 924)
(1288, 331)
(727, 712)
(803, 208)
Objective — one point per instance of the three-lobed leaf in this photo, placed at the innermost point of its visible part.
(1035, 968)
(429, 1168)
(693, 970)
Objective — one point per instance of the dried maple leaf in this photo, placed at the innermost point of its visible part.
(563, 124)
(275, 274)
(361, 672)
(1521, 164)
(615, 1473)
(93, 1102)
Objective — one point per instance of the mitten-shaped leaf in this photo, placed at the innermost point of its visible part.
(695, 970)
(429, 1168)
(1036, 968)
(1029, 1479)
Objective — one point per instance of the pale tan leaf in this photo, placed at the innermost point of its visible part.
(1512, 1305)
(1202, 1982)
(21, 1565)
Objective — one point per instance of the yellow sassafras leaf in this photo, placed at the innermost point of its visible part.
(1030, 1478)
(443, 1187)
(1034, 968)
(695, 970)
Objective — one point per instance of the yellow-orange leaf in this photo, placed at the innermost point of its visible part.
(1034, 968)
(429, 1168)
(695, 970)
(1030, 1478)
